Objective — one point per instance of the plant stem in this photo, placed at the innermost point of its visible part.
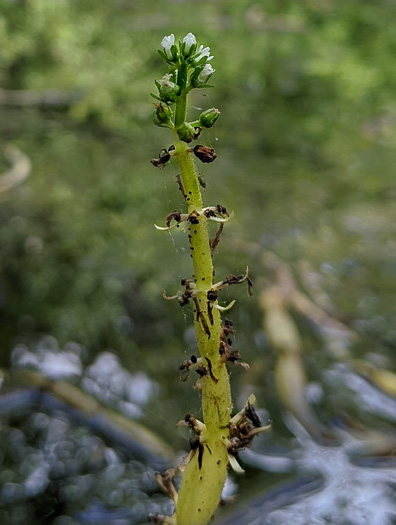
(181, 106)
(201, 486)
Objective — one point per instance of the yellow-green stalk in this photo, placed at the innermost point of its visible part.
(201, 488)
(220, 436)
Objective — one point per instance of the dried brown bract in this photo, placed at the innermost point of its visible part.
(164, 480)
(180, 185)
(197, 132)
(229, 355)
(175, 214)
(244, 426)
(183, 298)
(163, 157)
(204, 153)
(211, 295)
(188, 365)
(194, 217)
(233, 279)
(213, 243)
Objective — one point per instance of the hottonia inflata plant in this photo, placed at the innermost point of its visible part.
(220, 436)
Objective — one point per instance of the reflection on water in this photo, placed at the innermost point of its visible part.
(110, 383)
(370, 399)
(328, 488)
(55, 470)
(329, 485)
(105, 378)
(60, 468)
(350, 494)
(49, 359)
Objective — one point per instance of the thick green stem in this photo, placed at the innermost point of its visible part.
(181, 106)
(202, 484)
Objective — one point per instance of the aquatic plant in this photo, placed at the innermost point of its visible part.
(220, 436)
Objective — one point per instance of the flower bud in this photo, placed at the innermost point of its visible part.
(202, 55)
(186, 132)
(162, 114)
(169, 49)
(189, 45)
(168, 90)
(201, 75)
(209, 117)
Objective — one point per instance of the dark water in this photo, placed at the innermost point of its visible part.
(65, 462)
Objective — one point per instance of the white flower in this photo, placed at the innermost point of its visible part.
(203, 52)
(189, 40)
(168, 90)
(206, 73)
(165, 80)
(167, 43)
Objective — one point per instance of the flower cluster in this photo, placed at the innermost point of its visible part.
(189, 68)
(185, 55)
(185, 50)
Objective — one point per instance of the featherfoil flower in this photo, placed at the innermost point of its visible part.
(167, 43)
(189, 40)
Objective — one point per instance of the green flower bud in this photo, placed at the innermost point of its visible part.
(186, 132)
(168, 90)
(209, 117)
(201, 75)
(162, 114)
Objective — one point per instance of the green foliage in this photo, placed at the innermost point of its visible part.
(310, 87)
(71, 264)
(312, 56)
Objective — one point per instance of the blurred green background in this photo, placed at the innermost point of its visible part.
(305, 146)
(306, 157)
